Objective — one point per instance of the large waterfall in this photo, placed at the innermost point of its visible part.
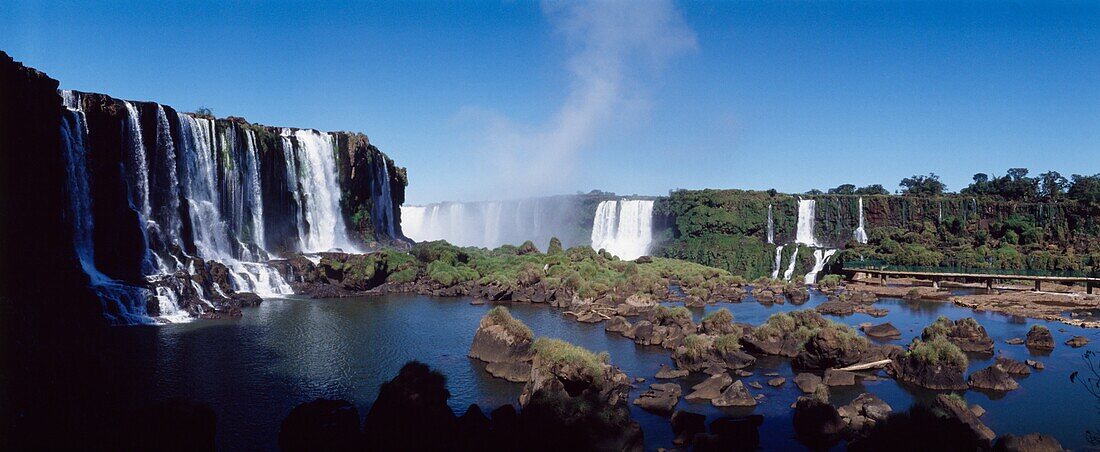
(624, 228)
(210, 190)
(860, 234)
(122, 303)
(496, 223)
(805, 232)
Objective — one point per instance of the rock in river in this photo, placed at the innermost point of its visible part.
(993, 378)
(661, 398)
(1039, 338)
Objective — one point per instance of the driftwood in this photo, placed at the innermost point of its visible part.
(865, 366)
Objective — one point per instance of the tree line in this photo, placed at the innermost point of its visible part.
(1015, 185)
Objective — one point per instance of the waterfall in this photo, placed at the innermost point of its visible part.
(325, 228)
(771, 226)
(381, 200)
(790, 269)
(821, 257)
(197, 152)
(494, 223)
(122, 303)
(624, 228)
(805, 232)
(778, 261)
(860, 234)
(255, 191)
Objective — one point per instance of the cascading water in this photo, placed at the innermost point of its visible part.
(805, 232)
(778, 261)
(860, 234)
(771, 226)
(821, 257)
(325, 228)
(122, 303)
(790, 269)
(496, 223)
(624, 228)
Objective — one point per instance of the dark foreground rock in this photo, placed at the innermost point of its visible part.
(817, 424)
(1031, 442)
(731, 434)
(685, 425)
(321, 425)
(864, 413)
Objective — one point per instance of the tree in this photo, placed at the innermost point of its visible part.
(876, 189)
(1052, 185)
(929, 185)
(1085, 188)
(845, 189)
(1017, 173)
(204, 111)
(814, 192)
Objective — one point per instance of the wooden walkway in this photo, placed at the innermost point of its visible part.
(988, 278)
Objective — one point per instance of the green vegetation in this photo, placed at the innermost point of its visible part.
(558, 353)
(720, 316)
(500, 316)
(821, 393)
(829, 282)
(666, 314)
(727, 343)
(937, 351)
(696, 345)
(802, 325)
(940, 328)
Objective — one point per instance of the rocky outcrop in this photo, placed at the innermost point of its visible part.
(831, 347)
(505, 344)
(864, 413)
(936, 365)
(572, 389)
(807, 382)
(686, 425)
(408, 406)
(841, 308)
(966, 333)
(956, 408)
(835, 377)
(1077, 341)
(1013, 367)
(710, 388)
(1039, 338)
(817, 424)
(734, 395)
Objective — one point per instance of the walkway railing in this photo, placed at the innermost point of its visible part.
(874, 264)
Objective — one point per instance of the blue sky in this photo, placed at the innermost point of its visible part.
(489, 100)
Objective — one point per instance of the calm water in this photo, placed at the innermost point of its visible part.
(255, 370)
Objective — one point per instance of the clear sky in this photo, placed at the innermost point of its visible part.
(490, 100)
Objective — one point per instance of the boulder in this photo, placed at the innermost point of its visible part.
(734, 395)
(1078, 341)
(685, 425)
(415, 400)
(830, 348)
(1031, 442)
(843, 308)
(660, 398)
(883, 331)
(835, 377)
(817, 424)
(1012, 366)
(1015, 341)
(667, 373)
(710, 388)
(807, 382)
(777, 382)
(864, 412)
(1039, 338)
(957, 409)
(1037, 365)
(617, 324)
(992, 378)
(924, 367)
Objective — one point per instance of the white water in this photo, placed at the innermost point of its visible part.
(860, 233)
(778, 261)
(496, 223)
(255, 191)
(325, 228)
(821, 257)
(790, 269)
(166, 217)
(771, 226)
(381, 199)
(122, 303)
(805, 232)
(624, 228)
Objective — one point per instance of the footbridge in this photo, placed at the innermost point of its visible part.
(883, 271)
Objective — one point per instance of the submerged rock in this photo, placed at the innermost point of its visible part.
(668, 373)
(777, 382)
(1078, 341)
(1031, 442)
(1015, 341)
(883, 331)
(835, 377)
